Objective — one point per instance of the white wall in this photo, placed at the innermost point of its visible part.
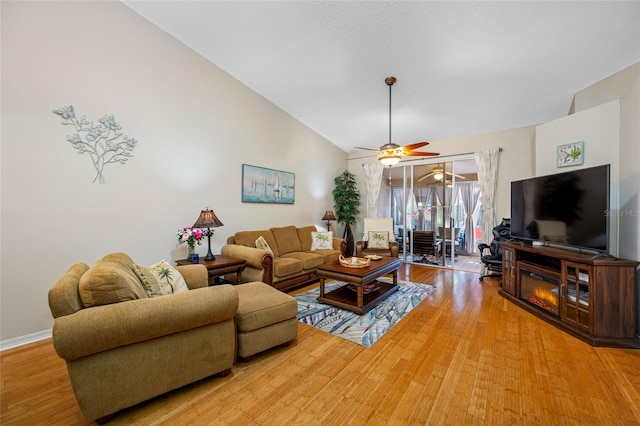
(598, 128)
(611, 88)
(195, 125)
(623, 86)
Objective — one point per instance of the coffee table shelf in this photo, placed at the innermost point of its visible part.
(345, 298)
(357, 301)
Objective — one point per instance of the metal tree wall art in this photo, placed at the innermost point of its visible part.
(104, 142)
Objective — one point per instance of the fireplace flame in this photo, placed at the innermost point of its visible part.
(546, 299)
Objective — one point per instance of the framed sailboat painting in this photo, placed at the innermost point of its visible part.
(262, 185)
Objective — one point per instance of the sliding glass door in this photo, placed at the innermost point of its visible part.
(434, 209)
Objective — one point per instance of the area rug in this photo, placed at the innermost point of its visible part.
(364, 329)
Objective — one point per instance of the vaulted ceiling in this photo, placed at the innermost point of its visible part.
(463, 68)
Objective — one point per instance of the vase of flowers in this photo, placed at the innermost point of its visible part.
(190, 237)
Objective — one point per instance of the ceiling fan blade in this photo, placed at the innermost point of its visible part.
(367, 149)
(426, 176)
(453, 174)
(358, 158)
(420, 154)
(414, 146)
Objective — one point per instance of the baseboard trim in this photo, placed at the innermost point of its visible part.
(25, 340)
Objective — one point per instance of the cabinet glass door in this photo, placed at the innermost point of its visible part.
(577, 297)
(509, 271)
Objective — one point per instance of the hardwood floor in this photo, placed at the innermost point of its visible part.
(463, 356)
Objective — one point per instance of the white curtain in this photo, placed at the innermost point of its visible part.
(470, 193)
(487, 163)
(373, 179)
(412, 211)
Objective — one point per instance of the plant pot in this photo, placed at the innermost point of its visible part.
(348, 237)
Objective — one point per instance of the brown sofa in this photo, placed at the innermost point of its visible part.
(292, 263)
(119, 354)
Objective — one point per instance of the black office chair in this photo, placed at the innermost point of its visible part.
(493, 260)
(425, 245)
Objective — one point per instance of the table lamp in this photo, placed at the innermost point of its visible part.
(329, 216)
(208, 220)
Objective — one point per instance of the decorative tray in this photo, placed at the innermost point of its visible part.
(348, 262)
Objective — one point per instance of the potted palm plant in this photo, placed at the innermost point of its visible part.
(346, 198)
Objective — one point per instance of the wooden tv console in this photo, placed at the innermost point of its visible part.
(594, 297)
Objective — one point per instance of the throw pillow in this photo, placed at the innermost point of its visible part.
(261, 243)
(378, 240)
(149, 282)
(110, 280)
(322, 240)
(168, 277)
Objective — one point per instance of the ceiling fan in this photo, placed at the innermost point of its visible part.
(438, 174)
(390, 153)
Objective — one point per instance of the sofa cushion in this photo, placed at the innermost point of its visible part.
(286, 239)
(283, 266)
(304, 236)
(322, 240)
(261, 243)
(378, 240)
(64, 298)
(111, 280)
(309, 260)
(169, 279)
(261, 305)
(248, 239)
(328, 255)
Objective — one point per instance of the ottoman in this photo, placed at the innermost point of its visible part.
(266, 318)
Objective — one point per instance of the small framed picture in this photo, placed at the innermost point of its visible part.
(571, 154)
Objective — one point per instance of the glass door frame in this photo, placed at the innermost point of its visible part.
(415, 210)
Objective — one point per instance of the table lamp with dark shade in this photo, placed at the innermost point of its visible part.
(329, 216)
(208, 220)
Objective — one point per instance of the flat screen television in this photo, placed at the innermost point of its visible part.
(567, 208)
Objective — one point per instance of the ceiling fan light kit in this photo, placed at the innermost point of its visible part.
(390, 154)
(439, 174)
(388, 160)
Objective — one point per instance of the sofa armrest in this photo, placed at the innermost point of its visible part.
(100, 328)
(361, 245)
(393, 246)
(196, 275)
(253, 256)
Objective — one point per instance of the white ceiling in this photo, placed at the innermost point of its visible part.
(463, 68)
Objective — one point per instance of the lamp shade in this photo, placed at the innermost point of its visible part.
(328, 215)
(207, 219)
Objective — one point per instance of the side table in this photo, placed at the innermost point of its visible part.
(219, 266)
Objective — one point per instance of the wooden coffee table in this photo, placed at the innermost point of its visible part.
(356, 300)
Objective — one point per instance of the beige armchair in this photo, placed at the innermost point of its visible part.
(377, 225)
(123, 353)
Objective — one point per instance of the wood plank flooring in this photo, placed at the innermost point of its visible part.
(463, 356)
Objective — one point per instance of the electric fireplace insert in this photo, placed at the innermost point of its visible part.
(541, 289)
